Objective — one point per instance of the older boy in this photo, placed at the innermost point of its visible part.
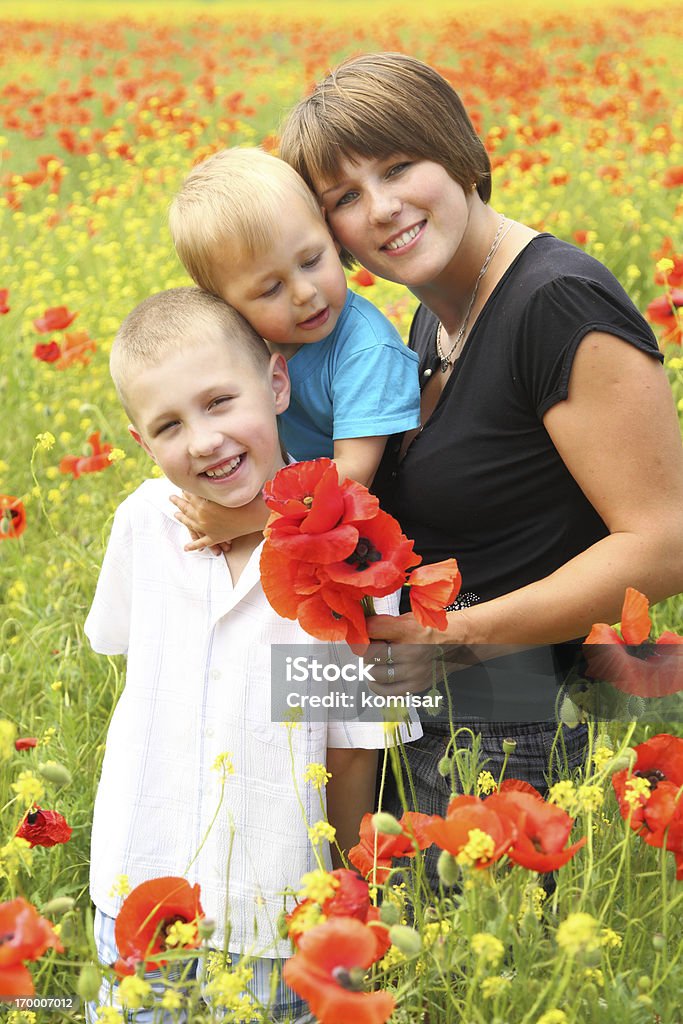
(203, 393)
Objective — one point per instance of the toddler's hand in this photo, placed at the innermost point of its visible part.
(204, 520)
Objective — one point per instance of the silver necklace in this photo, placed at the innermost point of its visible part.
(448, 358)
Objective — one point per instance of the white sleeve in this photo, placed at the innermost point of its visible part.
(107, 626)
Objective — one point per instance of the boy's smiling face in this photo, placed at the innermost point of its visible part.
(293, 293)
(207, 416)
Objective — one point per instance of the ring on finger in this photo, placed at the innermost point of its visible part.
(390, 660)
(391, 672)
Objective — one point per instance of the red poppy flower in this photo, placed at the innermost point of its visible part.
(414, 833)
(542, 830)
(48, 352)
(79, 464)
(146, 915)
(665, 311)
(466, 818)
(673, 177)
(25, 742)
(314, 512)
(12, 517)
(334, 614)
(660, 761)
(519, 786)
(432, 588)
(325, 970)
(363, 278)
(378, 562)
(75, 346)
(351, 898)
(4, 295)
(24, 935)
(44, 828)
(632, 662)
(54, 319)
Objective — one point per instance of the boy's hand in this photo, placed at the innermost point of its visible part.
(205, 521)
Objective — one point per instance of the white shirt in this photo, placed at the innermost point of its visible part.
(198, 685)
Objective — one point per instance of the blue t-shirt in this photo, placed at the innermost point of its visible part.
(360, 381)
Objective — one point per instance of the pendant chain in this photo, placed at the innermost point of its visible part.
(448, 358)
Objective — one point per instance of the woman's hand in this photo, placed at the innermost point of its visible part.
(404, 654)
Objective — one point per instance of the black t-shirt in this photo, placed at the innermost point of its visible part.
(483, 481)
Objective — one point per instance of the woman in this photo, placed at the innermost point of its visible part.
(549, 459)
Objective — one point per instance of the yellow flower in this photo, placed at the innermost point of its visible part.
(227, 990)
(116, 454)
(318, 886)
(223, 764)
(491, 987)
(134, 991)
(637, 790)
(171, 1000)
(317, 775)
(564, 795)
(15, 855)
(664, 265)
(553, 1017)
(578, 934)
(479, 847)
(44, 441)
(590, 796)
(595, 975)
(488, 948)
(320, 831)
(16, 590)
(182, 933)
(610, 938)
(601, 756)
(534, 898)
(486, 783)
(28, 788)
(22, 1017)
(8, 734)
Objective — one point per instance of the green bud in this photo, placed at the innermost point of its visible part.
(88, 984)
(644, 983)
(59, 905)
(592, 957)
(67, 931)
(444, 767)
(5, 664)
(622, 763)
(51, 771)
(509, 746)
(389, 913)
(644, 1000)
(659, 942)
(206, 926)
(281, 925)
(569, 714)
(447, 868)
(386, 824)
(406, 939)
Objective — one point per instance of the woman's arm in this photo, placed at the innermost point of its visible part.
(618, 435)
(350, 793)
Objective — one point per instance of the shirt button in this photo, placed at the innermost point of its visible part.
(394, 475)
(215, 674)
(208, 732)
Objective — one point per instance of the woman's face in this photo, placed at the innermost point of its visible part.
(401, 217)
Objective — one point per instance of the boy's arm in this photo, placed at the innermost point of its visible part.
(359, 457)
(350, 793)
(212, 524)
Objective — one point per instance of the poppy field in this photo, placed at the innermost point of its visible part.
(105, 108)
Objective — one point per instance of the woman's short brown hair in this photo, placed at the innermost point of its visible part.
(378, 104)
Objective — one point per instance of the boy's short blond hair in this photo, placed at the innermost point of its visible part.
(379, 104)
(229, 206)
(171, 321)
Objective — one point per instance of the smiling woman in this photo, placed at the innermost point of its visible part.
(548, 461)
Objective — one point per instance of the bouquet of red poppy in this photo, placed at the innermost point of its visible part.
(330, 549)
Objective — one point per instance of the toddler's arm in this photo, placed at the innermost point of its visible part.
(211, 524)
(350, 793)
(359, 457)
